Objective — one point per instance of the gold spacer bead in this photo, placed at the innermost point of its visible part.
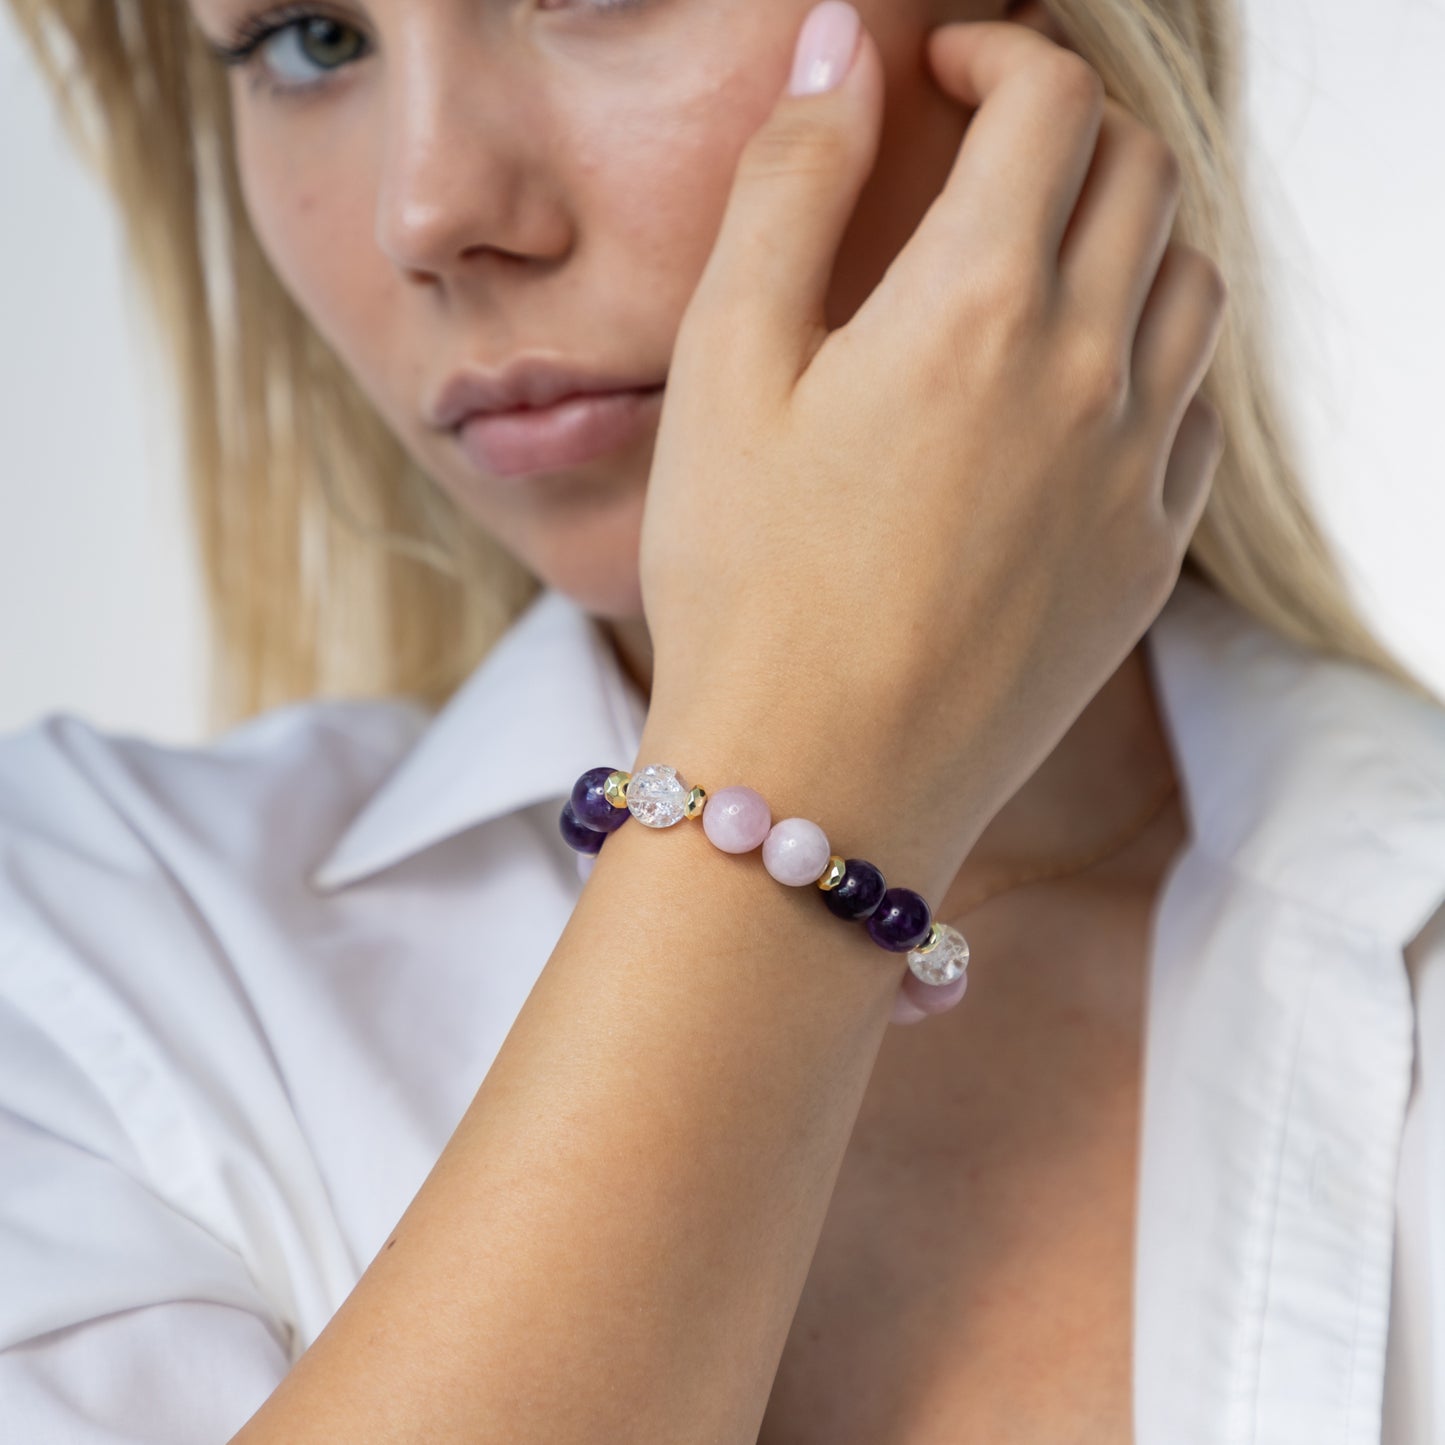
(696, 800)
(935, 937)
(615, 788)
(833, 873)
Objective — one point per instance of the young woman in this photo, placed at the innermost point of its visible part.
(842, 408)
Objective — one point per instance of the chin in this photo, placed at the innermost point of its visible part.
(591, 553)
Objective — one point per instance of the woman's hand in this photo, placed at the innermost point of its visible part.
(930, 536)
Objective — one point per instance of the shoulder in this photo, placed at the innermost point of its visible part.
(120, 858)
(146, 897)
(126, 862)
(325, 741)
(134, 875)
(67, 787)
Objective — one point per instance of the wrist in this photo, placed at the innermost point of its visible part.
(861, 800)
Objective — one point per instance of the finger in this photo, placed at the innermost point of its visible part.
(1178, 333)
(1027, 148)
(1193, 464)
(1116, 240)
(797, 184)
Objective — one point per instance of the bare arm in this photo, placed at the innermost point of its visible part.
(613, 1244)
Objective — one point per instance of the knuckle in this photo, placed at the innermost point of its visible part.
(1073, 81)
(1163, 564)
(1204, 272)
(794, 148)
(1212, 420)
(1160, 158)
(1012, 291)
(1210, 416)
(1100, 379)
(1215, 280)
(1153, 542)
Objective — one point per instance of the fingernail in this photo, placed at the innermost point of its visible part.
(826, 45)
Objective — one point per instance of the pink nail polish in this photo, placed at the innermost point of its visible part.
(826, 46)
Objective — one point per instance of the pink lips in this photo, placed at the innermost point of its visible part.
(575, 430)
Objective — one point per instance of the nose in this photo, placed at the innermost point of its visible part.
(463, 177)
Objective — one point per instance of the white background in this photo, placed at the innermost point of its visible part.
(99, 610)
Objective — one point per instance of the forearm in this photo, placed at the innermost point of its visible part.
(613, 1244)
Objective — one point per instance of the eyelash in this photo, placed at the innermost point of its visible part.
(243, 45)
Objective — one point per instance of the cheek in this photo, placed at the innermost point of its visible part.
(310, 200)
(655, 160)
(653, 167)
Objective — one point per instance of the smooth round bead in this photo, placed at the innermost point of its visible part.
(944, 962)
(737, 819)
(577, 833)
(916, 1001)
(590, 804)
(796, 851)
(657, 796)
(860, 892)
(901, 921)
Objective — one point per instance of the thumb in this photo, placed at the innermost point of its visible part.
(797, 183)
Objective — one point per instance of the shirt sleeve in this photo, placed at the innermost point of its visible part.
(122, 1319)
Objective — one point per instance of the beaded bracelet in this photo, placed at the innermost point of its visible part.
(795, 851)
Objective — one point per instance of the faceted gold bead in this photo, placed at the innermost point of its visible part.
(615, 788)
(833, 874)
(935, 936)
(696, 800)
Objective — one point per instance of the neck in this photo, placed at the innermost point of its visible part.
(1110, 776)
(1105, 774)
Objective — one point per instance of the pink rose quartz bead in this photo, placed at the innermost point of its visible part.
(736, 819)
(916, 1000)
(796, 852)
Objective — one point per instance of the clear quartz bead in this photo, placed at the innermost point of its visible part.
(942, 964)
(658, 797)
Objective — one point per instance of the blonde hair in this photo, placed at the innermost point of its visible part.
(335, 565)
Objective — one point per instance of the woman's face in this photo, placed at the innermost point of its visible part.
(445, 185)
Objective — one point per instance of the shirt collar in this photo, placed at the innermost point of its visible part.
(1299, 769)
(1316, 776)
(549, 701)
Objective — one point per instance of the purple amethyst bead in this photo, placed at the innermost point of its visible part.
(901, 921)
(859, 893)
(578, 835)
(589, 803)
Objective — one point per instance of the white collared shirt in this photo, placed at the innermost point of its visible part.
(247, 990)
